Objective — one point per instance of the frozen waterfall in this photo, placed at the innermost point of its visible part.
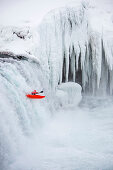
(35, 136)
(18, 116)
(75, 51)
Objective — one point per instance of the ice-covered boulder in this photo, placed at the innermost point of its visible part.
(68, 94)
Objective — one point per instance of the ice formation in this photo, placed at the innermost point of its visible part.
(75, 51)
(71, 43)
(68, 95)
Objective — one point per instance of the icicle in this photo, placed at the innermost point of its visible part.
(67, 66)
(68, 44)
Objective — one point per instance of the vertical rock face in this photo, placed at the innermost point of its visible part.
(75, 51)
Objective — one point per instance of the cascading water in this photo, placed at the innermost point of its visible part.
(19, 117)
(33, 139)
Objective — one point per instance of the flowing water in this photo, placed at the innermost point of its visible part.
(33, 137)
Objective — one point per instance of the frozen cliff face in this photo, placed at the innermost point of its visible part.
(79, 46)
(63, 38)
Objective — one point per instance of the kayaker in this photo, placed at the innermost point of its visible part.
(34, 92)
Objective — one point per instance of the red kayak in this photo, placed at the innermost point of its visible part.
(35, 96)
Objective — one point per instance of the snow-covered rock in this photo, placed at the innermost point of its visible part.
(68, 94)
(21, 41)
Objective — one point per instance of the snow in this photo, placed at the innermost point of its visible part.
(18, 40)
(68, 95)
(100, 14)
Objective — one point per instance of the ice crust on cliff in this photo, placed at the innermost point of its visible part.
(78, 50)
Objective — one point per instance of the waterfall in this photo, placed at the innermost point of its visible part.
(20, 117)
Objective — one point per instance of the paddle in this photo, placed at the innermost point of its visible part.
(41, 91)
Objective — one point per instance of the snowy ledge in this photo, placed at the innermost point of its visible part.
(7, 55)
(18, 42)
(4, 54)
